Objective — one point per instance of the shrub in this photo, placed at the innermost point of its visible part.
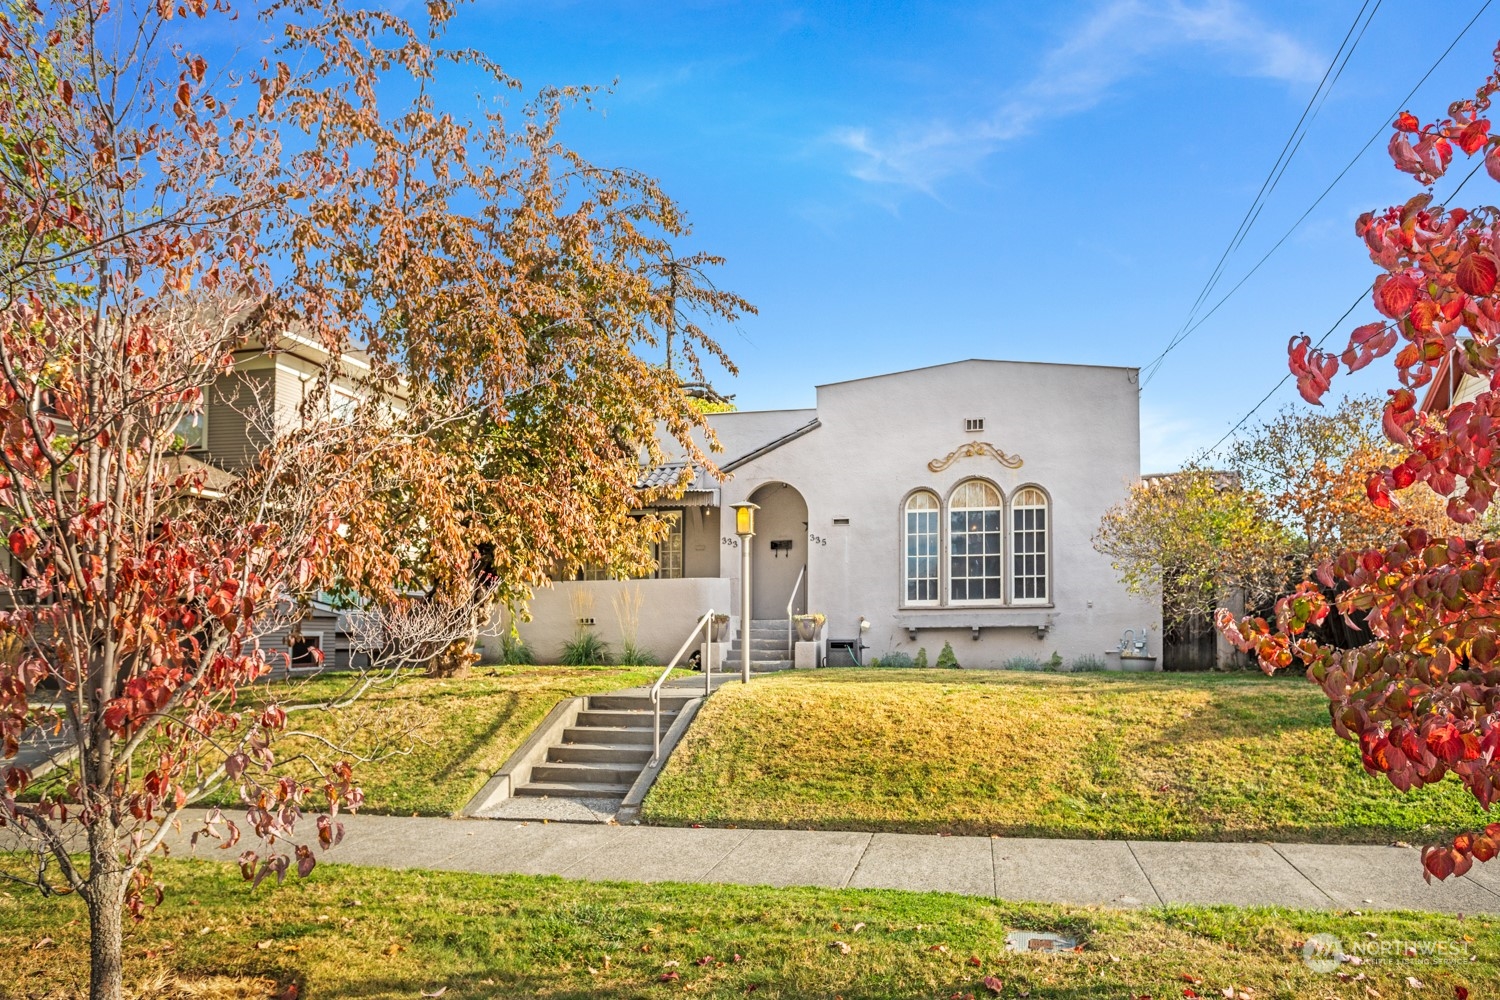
(632, 655)
(1055, 661)
(896, 659)
(1023, 663)
(921, 660)
(514, 651)
(1084, 664)
(947, 659)
(585, 650)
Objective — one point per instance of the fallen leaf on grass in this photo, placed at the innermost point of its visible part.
(45, 942)
(995, 986)
(1414, 983)
(671, 964)
(942, 948)
(974, 961)
(668, 977)
(435, 993)
(841, 947)
(1461, 992)
(1188, 977)
(858, 927)
(1192, 994)
(706, 960)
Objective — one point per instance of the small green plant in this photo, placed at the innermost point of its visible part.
(895, 659)
(1029, 663)
(947, 659)
(632, 655)
(514, 651)
(585, 650)
(1055, 661)
(921, 661)
(1086, 664)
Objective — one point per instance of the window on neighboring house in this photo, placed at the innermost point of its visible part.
(342, 405)
(669, 549)
(191, 432)
(306, 650)
(1028, 512)
(923, 518)
(976, 572)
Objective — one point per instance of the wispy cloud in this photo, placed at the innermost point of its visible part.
(1118, 41)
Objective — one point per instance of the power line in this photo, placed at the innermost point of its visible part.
(1273, 177)
(1156, 364)
(1329, 332)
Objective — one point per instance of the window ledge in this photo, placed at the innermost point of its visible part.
(1038, 616)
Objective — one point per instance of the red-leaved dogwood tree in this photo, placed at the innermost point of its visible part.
(1422, 699)
(166, 221)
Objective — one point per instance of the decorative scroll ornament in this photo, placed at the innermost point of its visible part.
(974, 449)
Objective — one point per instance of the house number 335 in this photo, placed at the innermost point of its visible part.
(816, 540)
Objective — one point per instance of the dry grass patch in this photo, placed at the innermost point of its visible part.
(439, 741)
(361, 932)
(1165, 756)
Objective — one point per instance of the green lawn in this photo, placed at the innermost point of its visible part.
(1162, 756)
(438, 741)
(370, 933)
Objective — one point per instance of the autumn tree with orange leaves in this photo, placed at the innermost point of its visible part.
(162, 219)
(1422, 698)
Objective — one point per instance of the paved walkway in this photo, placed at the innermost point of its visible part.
(1111, 873)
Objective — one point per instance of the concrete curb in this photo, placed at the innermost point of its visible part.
(630, 806)
(514, 773)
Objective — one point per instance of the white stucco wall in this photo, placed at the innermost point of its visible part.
(669, 609)
(1077, 431)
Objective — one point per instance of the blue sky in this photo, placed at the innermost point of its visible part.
(898, 185)
(902, 185)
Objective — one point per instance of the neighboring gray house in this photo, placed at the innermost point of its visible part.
(228, 435)
(954, 503)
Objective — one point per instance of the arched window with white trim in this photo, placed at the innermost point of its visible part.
(975, 538)
(923, 519)
(1028, 546)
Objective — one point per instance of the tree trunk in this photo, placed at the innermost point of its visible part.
(106, 902)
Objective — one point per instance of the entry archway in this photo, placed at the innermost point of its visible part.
(780, 550)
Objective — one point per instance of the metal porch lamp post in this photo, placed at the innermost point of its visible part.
(744, 526)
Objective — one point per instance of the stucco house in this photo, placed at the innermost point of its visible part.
(954, 503)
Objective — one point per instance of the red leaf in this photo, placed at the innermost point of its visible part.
(668, 977)
(1474, 136)
(65, 91)
(1190, 993)
(1407, 122)
(1476, 274)
(995, 986)
(1460, 992)
(1438, 861)
(1395, 295)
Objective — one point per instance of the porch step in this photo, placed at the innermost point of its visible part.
(589, 718)
(769, 666)
(585, 774)
(636, 703)
(600, 753)
(595, 735)
(573, 790)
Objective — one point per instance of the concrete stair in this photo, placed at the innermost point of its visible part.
(605, 750)
(768, 647)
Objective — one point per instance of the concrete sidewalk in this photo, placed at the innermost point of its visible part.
(1111, 873)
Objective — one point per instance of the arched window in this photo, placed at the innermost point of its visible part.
(922, 522)
(1028, 578)
(974, 543)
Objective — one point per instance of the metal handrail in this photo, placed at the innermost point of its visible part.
(708, 620)
(791, 602)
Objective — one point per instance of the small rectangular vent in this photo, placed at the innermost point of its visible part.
(841, 520)
(974, 424)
